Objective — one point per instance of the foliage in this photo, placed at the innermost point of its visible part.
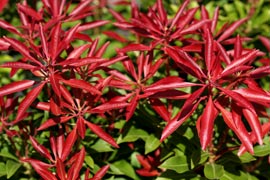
(127, 90)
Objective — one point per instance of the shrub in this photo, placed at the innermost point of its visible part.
(175, 94)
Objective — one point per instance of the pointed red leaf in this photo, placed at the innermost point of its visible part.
(80, 7)
(30, 12)
(41, 149)
(81, 127)
(161, 12)
(159, 107)
(196, 26)
(179, 13)
(134, 47)
(241, 61)
(60, 169)
(54, 121)
(92, 25)
(215, 20)
(240, 130)
(242, 101)
(254, 123)
(77, 52)
(76, 167)
(55, 84)
(254, 96)
(56, 31)
(81, 84)
(66, 94)
(18, 65)
(131, 107)
(21, 48)
(111, 105)
(209, 51)
(101, 172)
(44, 44)
(230, 30)
(71, 138)
(3, 3)
(266, 42)
(102, 134)
(16, 87)
(188, 108)
(41, 168)
(115, 36)
(82, 61)
(53, 146)
(28, 100)
(5, 25)
(207, 123)
(168, 83)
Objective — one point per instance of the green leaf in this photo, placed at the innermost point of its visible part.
(89, 161)
(151, 143)
(213, 171)
(133, 135)
(198, 157)
(172, 175)
(5, 153)
(262, 150)
(176, 163)
(11, 168)
(122, 167)
(2, 169)
(102, 146)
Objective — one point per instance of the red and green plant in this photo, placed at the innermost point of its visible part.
(179, 92)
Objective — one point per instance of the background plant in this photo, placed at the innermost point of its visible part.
(134, 90)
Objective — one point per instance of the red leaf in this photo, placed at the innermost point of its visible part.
(81, 127)
(179, 13)
(41, 149)
(81, 84)
(243, 102)
(55, 84)
(55, 106)
(16, 87)
(92, 25)
(76, 167)
(82, 61)
(54, 121)
(207, 123)
(134, 47)
(215, 20)
(56, 31)
(230, 30)
(80, 8)
(76, 53)
(111, 105)
(42, 106)
(101, 172)
(115, 36)
(65, 94)
(102, 134)
(53, 146)
(27, 101)
(21, 48)
(60, 169)
(131, 107)
(41, 168)
(241, 60)
(240, 130)
(159, 107)
(168, 83)
(260, 72)
(254, 123)
(209, 48)
(3, 3)
(5, 25)
(147, 173)
(266, 42)
(188, 108)
(161, 12)
(71, 138)
(195, 26)
(255, 96)
(30, 12)
(43, 41)
(18, 65)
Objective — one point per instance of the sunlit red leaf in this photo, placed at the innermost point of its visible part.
(60, 169)
(17, 86)
(30, 12)
(207, 123)
(41, 149)
(240, 130)
(54, 121)
(81, 127)
(70, 140)
(92, 25)
(159, 107)
(28, 100)
(130, 109)
(114, 35)
(41, 168)
(76, 167)
(134, 47)
(179, 13)
(110, 105)
(81, 84)
(102, 134)
(5, 25)
(3, 3)
(101, 172)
